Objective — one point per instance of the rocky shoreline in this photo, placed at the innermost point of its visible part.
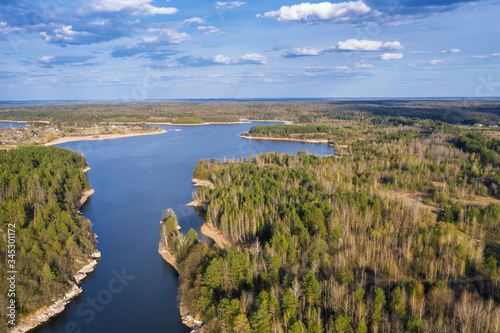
(44, 314)
(200, 182)
(85, 196)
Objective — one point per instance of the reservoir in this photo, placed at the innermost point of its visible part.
(132, 288)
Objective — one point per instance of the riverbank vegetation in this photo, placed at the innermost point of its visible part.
(401, 234)
(40, 189)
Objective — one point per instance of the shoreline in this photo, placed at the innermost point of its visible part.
(167, 256)
(186, 318)
(325, 141)
(209, 230)
(85, 196)
(242, 121)
(44, 314)
(99, 138)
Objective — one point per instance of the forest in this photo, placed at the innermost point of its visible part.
(399, 234)
(40, 188)
(453, 111)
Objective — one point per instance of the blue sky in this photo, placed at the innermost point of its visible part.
(145, 49)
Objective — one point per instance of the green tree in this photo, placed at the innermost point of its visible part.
(241, 324)
(342, 325)
(298, 327)
(378, 306)
(415, 324)
(490, 266)
(311, 287)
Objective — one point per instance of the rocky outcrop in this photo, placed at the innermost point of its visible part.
(199, 182)
(44, 314)
(190, 321)
(198, 203)
(85, 196)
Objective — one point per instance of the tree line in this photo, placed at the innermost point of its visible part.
(40, 188)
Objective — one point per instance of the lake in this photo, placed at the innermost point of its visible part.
(132, 288)
(4, 124)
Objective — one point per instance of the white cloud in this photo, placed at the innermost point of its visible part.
(348, 45)
(391, 56)
(254, 58)
(229, 4)
(493, 56)
(195, 20)
(165, 36)
(64, 34)
(359, 65)
(46, 58)
(323, 11)
(303, 51)
(138, 7)
(435, 62)
(368, 45)
(250, 58)
(209, 30)
(451, 51)
(6, 29)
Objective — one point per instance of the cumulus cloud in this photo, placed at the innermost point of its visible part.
(137, 7)
(343, 46)
(306, 52)
(391, 56)
(229, 4)
(153, 43)
(451, 51)
(367, 45)
(64, 34)
(324, 11)
(252, 59)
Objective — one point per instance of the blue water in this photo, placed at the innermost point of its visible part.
(4, 124)
(134, 180)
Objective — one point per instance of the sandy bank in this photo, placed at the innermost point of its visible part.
(44, 314)
(187, 319)
(197, 203)
(100, 137)
(85, 196)
(209, 230)
(169, 257)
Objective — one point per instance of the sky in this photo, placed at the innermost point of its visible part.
(190, 49)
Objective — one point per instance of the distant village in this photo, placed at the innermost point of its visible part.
(41, 132)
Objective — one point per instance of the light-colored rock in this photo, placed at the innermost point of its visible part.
(58, 306)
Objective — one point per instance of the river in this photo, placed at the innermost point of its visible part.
(132, 288)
